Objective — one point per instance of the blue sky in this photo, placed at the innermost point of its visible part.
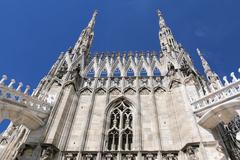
(33, 33)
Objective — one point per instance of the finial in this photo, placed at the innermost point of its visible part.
(225, 80)
(27, 89)
(95, 12)
(11, 83)
(19, 86)
(199, 52)
(113, 55)
(4, 77)
(92, 22)
(234, 78)
(159, 13)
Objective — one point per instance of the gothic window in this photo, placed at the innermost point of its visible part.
(91, 73)
(104, 73)
(117, 73)
(156, 72)
(130, 72)
(143, 72)
(120, 134)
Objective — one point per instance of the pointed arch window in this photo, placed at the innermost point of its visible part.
(120, 134)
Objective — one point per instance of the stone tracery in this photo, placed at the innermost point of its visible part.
(120, 133)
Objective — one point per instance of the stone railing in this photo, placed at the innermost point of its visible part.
(228, 91)
(9, 93)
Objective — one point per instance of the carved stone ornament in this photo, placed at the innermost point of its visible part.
(3, 141)
(62, 71)
(86, 92)
(144, 91)
(71, 156)
(75, 72)
(158, 80)
(170, 156)
(130, 81)
(144, 81)
(174, 84)
(159, 90)
(115, 91)
(47, 154)
(108, 156)
(116, 81)
(89, 157)
(149, 156)
(129, 157)
(101, 92)
(191, 153)
(102, 82)
(130, 91)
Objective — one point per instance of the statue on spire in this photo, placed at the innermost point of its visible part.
(161, 19)
(212, 77)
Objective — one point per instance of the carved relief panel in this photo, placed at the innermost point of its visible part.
(70, 156)
(129, 156)
(170, 156)
(144, 91)
(157, 81)
(102, 82)
(110, 156)
(89, 156)
(89, 82)
(115, 91)
(143, 81)
(150, 156)
(86, 91)
(130, 82)
(116, 82)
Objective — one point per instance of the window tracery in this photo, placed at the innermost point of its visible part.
(120, 134)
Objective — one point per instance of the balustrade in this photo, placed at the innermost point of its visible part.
(7, 92)
(228, 91)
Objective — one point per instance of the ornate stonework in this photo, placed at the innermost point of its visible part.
(122, 106)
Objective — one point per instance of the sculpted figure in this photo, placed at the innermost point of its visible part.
(47, 154)
(191, 153)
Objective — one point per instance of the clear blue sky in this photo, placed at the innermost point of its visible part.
(33, 33)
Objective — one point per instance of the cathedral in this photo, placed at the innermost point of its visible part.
(123, 106)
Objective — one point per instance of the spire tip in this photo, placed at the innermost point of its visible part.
(159, 12)
(199, 52)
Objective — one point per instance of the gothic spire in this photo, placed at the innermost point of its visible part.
(161, 19)
(167, 40)
(211, 75)
(85, 40)
(204, 62)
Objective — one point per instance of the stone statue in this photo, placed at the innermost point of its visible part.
(47, 154)
(191, 153)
